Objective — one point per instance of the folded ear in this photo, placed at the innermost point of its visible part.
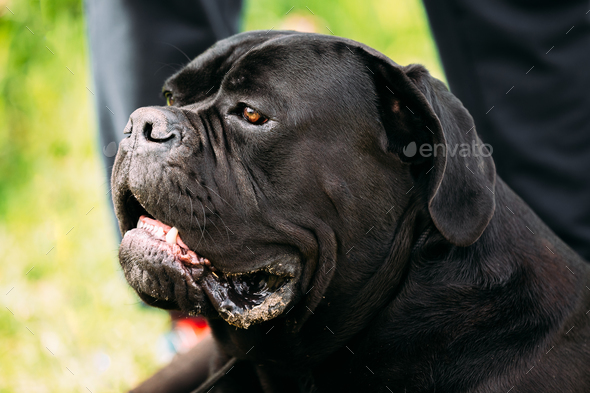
(461, 175)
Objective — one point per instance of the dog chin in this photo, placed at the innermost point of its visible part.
(167, 274)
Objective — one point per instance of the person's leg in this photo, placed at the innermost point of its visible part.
(136, 44)
(521, 69)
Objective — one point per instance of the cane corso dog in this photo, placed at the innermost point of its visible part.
(317, 203)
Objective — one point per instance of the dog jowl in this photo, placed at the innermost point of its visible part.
(277, 196)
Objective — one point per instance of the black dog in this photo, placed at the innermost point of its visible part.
(279, 196)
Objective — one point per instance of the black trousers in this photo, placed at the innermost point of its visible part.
(522, 68)
(135, 45)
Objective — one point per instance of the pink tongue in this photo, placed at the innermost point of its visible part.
(180, 250)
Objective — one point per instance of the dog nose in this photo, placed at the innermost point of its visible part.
(155, 124)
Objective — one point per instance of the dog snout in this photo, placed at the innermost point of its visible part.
(155, 124)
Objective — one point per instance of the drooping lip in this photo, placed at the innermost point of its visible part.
(242, 299)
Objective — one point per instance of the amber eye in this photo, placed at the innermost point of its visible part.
(253, 116)
(169, 98)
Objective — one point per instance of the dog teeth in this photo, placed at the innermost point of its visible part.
(171, 236)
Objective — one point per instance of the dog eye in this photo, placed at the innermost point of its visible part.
(253, 116)
(169, 98)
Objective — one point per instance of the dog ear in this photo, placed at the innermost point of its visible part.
(418, 110)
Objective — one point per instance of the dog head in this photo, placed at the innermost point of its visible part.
(282, 168)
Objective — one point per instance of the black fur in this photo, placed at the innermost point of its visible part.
(417, 274)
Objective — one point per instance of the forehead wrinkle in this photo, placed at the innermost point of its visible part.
(282, 75)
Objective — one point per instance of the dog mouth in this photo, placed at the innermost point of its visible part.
(160, 266)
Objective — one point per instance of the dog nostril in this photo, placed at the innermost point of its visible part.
(158, 135)
(147, 131)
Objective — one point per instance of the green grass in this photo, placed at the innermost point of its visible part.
(65, 304)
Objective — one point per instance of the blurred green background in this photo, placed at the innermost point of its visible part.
(68, 320)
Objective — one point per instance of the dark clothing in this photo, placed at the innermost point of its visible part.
(521, 69)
